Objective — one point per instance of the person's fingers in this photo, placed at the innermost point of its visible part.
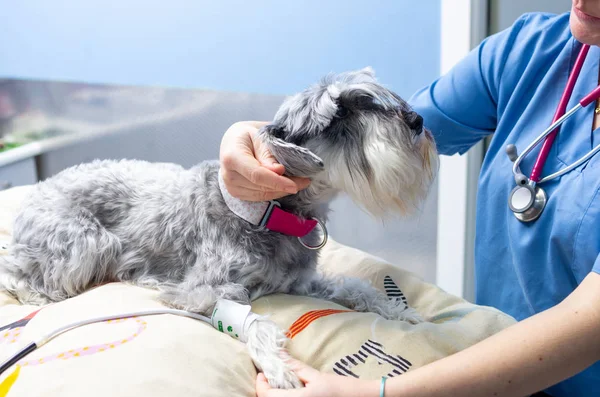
(262, 386)
(277, 168)
(242, 152)
(267, 160)
(241, 188)
(305, 372)
(250, 168)
(235, 179)
(246, 194)
(262, 152)
(301, 183)
(263, 389)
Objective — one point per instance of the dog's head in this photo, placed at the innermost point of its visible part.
(351, 134)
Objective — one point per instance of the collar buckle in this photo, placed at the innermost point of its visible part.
(268, 212)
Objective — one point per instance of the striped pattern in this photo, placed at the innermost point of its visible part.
(20, 323)
(392, 290)
(304, 321)
(375, 350)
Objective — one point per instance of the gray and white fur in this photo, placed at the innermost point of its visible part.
(162, 226)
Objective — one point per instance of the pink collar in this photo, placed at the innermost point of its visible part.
(281, 221)
(269, 215)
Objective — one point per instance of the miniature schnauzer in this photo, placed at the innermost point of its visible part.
(160, 225)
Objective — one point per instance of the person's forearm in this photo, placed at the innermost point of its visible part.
(520, 360)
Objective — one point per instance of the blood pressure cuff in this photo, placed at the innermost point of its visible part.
(168, 355)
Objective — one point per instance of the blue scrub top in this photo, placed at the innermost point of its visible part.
(509, 87)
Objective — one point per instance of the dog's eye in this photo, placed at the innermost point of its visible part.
(341, 112)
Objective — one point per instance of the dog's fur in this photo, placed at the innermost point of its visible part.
(159, 225)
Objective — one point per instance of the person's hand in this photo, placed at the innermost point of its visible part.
(249, 170)
(318, 384)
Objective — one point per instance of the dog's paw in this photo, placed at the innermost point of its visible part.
(402, 312)
(411, 315)
(282, 377)
(266, 345)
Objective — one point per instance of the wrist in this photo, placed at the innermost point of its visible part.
(359, 388)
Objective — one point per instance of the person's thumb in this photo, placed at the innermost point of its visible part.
(305, 372)
(262, 386)
(266, 159)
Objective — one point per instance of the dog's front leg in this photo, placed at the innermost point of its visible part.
(265, 340)
(356, 294)
(202, 298)
(266, 345)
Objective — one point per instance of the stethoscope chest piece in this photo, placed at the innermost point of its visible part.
(527, 203)
(527, 200)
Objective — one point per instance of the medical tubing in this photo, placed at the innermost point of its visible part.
(45, 339)
(560, 111)
(17, 356)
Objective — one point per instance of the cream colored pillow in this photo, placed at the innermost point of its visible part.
(172, 356)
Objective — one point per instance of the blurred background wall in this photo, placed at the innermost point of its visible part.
(262, 46)
(163, 80)
(503, 13)
(247, 54)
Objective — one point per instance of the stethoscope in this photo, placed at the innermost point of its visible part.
(527, 200)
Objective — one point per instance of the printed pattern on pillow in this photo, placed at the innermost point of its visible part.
(91, 349)
(392, 290)
(307, 318)
(11, 334)
(371, 350)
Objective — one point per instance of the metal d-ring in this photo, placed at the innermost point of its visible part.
(320, 245)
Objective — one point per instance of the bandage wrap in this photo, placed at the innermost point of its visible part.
(233, 318)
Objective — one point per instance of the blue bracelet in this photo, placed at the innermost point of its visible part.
(382, 389)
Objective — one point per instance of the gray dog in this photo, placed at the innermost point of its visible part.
(162, 226)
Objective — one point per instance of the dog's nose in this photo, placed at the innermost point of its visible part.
(415, 122)
(418, 125)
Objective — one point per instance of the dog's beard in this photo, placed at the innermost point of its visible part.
(430, 156)
(393, 178)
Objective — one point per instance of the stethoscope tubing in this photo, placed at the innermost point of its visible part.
(534, 179)
(532, 145)
(576, 164)
(538, 166)
(592, 96)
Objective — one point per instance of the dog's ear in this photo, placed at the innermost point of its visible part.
(297, 160)
(367, 71)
